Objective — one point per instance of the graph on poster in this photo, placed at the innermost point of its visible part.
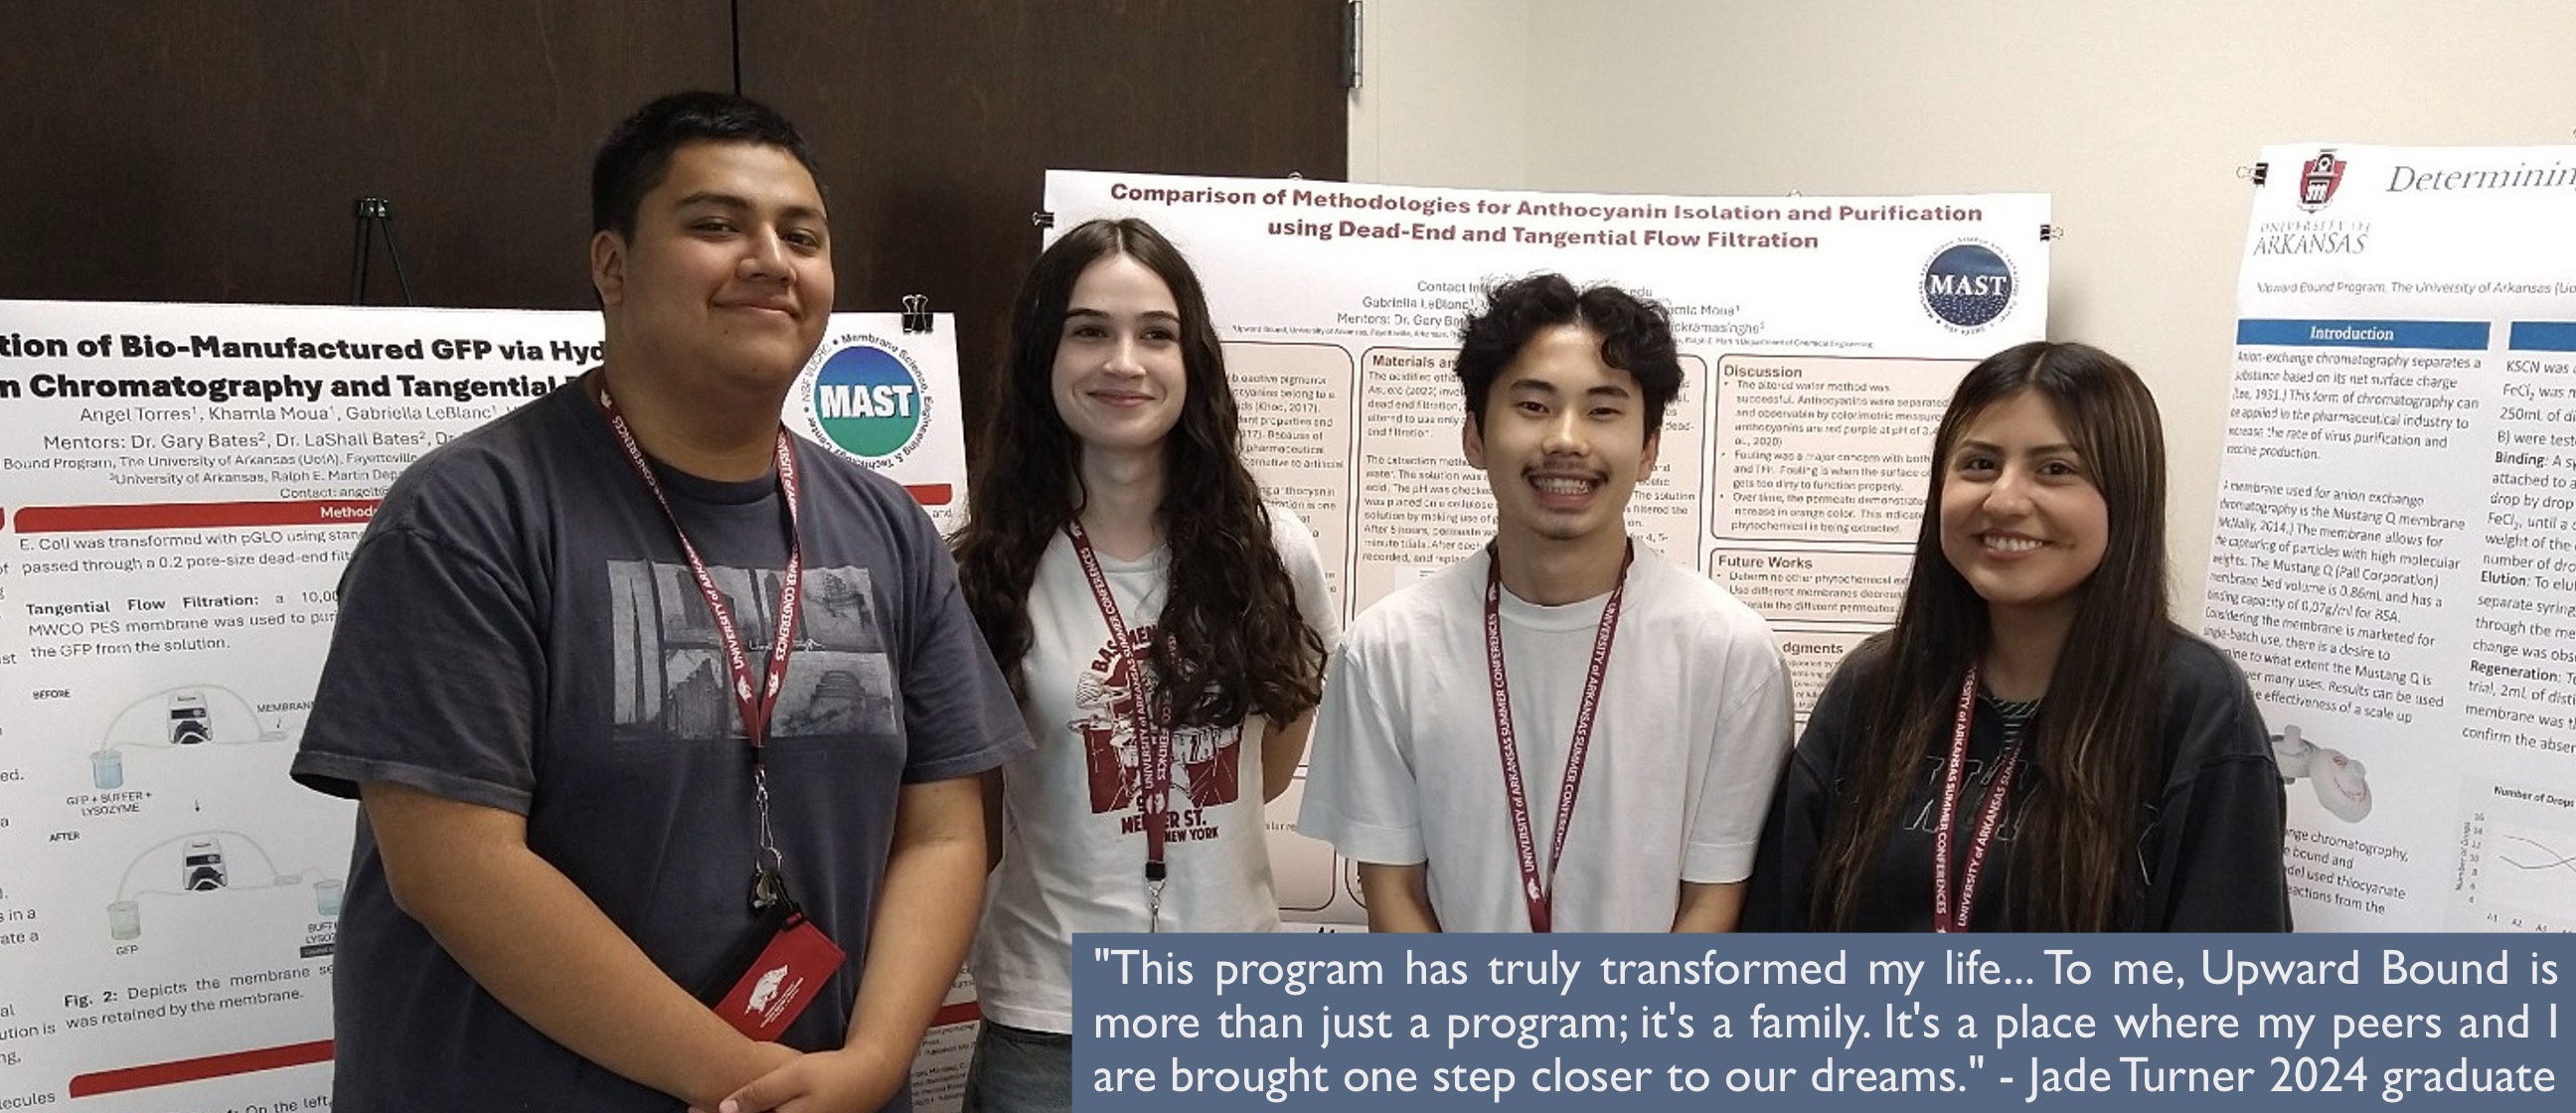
(2518, 862)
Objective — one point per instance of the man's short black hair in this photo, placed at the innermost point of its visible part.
(1636, 337)
(635, 157)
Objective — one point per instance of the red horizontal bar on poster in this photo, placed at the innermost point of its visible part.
(958, 1013)
(194, 515)
(931, 494)
(199, 1069)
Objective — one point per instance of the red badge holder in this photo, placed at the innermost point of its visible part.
(785, 964)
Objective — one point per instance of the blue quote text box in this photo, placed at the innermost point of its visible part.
(1608, 1023)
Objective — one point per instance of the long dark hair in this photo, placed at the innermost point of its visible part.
(2093, 747)
(1230, 641)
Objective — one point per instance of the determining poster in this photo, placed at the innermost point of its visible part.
(2394, 561)
(1820, 339)
(180, 485)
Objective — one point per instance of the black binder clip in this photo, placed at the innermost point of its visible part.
(916, 313)
(1042, 219)
(2049, 232)
(2255, 173)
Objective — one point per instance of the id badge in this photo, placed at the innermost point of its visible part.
(792, 968)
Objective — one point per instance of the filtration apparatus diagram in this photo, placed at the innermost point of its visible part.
(181, 718)
(2341, 782)
(201, 865)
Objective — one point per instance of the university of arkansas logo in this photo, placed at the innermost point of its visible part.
(767, 991)
(2319, 177)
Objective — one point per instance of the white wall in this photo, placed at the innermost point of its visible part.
(2136, 116)
(1444, 93)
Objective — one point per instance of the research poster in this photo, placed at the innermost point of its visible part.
(2394, 559)
(1820, 339)
(180, 485)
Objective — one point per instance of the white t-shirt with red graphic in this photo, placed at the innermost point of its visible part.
(1073, 842)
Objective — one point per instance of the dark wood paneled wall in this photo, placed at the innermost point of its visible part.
(937, 122)
(209, 150)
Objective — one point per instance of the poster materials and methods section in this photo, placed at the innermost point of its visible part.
(2394, 560)
(1820, 338)
(181, 485)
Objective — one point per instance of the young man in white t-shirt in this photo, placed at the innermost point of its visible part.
(1562, 732)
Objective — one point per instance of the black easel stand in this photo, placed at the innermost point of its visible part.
(374, 215)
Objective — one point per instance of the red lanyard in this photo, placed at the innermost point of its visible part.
(1540, 893)
(1153, 736)
(1998, 789)
(756, 700)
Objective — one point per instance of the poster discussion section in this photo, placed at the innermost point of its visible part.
(180, 486)
(2394, 557)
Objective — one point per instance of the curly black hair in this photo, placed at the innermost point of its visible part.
(1636, 337)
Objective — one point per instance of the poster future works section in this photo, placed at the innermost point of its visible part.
(181, 485)
(2395, 555)
(1820, 338)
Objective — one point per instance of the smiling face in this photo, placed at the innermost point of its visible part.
(2021, 518)
(726, 283)
(1120, 378)
(1562, 440)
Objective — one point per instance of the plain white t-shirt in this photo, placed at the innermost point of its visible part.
(1692, 728)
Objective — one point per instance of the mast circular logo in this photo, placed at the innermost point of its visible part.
(1967, 285)
(869, 401)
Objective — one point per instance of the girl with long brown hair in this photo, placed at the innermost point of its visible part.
(2035, 746)
(1163, 627)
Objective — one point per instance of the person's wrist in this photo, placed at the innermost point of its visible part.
(752, 1059)
(872, 1069)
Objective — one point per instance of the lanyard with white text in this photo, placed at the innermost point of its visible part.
(1537, 891)
(1946, 917)
(756, 698)
(1153, 736)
